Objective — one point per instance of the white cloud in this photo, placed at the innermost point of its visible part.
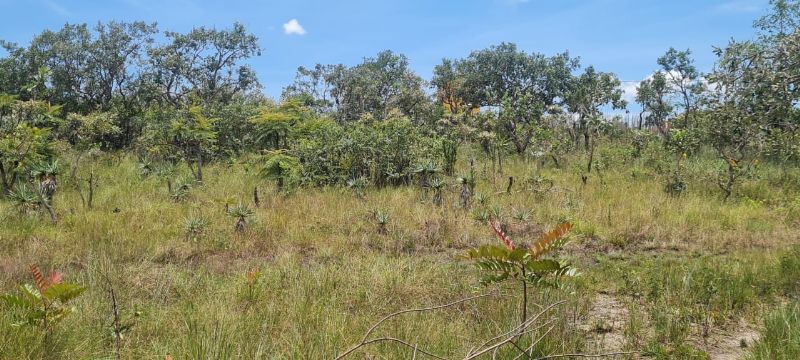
(739, 6)
(57, 8)
(293, 27)
(629, 90)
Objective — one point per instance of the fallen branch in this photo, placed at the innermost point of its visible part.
(587, 355)
(492, 345)
(369, 332)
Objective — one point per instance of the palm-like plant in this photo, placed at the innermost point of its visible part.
(382, 219)
(467, 187)
(181, 189)
(46, 174)
(240, 213)
(437, 185)
(25, 199)
(425, 170)
(523, 264)
(357, 185)
(522, 214)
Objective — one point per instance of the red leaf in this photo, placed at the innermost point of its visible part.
(55, 277)
(500, 234)
(41, 283)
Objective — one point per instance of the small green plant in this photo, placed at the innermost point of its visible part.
(195, 227)
(180, 191)
(120, 325)
(25, 199)
(482, 198)
(437, 185)
(449, 155)
(675, 185)
(252, 280)
(46, 174)
(357, 186)
(425, 170)
(240, 213)
(44, 304)
(481, 215)
(382, 220)
(522, 215)
(501, 263)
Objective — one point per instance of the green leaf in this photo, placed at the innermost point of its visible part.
(543, 266)
(63, 292)
(16, 301)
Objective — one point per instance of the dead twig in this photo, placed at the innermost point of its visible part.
(369, 332)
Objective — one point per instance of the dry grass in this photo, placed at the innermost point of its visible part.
(328, 275)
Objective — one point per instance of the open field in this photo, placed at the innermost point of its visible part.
(669, 277)
(558, 186)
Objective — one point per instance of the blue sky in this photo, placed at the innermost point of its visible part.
(622, 36)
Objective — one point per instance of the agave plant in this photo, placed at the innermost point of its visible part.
(425, 170)
(467, 186)
(240, 213)
(26, 199)
(437, 185)
(357, 185)
(181, 189)
(522, 263)
(481, 215)
(44, 304)
(497, 213)
(46, 174)
(482, 198)
(382, 219)
(522, 215)
(195, 227)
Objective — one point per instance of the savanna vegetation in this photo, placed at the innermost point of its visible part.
(155, 204)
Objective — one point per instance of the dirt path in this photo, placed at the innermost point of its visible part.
(605, 324)
(727, 345)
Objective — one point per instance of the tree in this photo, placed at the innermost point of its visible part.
(588, 93)
(205, 62)
(448, 82)
(526, 265)
(272, 124)
(192, 135)
(783, 20)
(683, 82)
(316, 85)
(44, 304)
(25, 140)
(375, 87)
(521, 85)
(652, 95)
(741, 101)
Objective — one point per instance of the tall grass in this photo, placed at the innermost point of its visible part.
(327, 274)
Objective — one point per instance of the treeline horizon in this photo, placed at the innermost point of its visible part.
(191, 97)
